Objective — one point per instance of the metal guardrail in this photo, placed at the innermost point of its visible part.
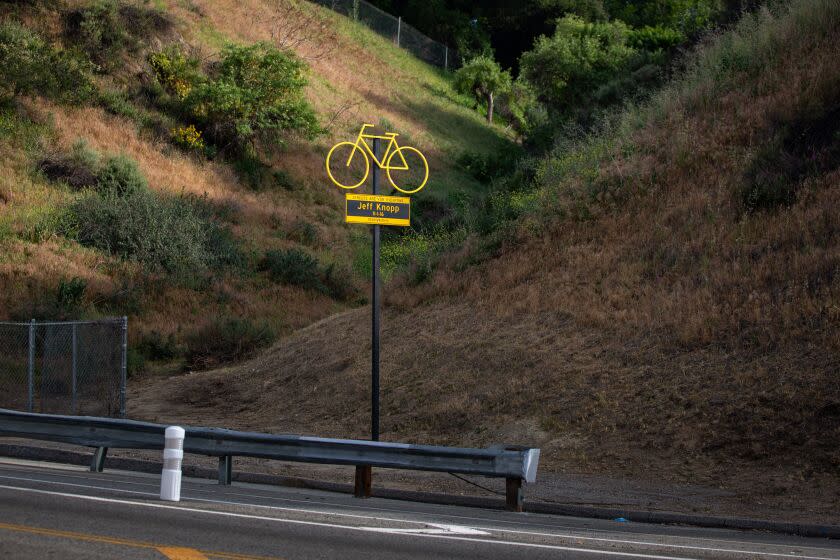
(515, 464)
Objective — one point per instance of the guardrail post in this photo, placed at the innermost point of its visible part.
(514, 496)
(225, 469)
(363, 485)
(98, 463)
(31, 368)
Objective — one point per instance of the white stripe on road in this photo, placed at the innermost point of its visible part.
(438, 529)
(47, 466)
(345, 527)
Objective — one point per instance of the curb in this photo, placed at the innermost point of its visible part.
(639, 516)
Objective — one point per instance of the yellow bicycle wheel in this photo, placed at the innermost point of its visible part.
(348, 165)
(410, 172)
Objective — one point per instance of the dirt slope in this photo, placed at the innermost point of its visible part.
(676, 337)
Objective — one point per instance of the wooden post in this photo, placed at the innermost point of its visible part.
(363, 481)
(514, 494)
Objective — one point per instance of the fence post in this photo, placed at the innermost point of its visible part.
(446, 58)
(399, 29)
(356, 10)
(74, 369)
(124, 365)
(31, 404)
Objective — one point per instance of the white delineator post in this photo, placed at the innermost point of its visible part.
(173, 455)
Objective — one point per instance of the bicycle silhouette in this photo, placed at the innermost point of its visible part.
(394, 159)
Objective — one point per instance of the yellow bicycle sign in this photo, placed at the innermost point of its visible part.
(348, 163)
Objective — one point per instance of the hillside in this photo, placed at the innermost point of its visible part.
(666, 307)
(278, 203)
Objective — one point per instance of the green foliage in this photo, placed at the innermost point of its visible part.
(252, 93)
(29, 66)
(294, 267)
(654, 39)
(105, 29)
(176, 71)
(188, 138)
(483, 78)
(303, 232)
(298, 268)
(686, 16)
(567, 68)
(487, 167)
(70, 293)
(255, 91)
(121, 216)
(121, 177)
(154, 346)
(226, 340)
(99, 31)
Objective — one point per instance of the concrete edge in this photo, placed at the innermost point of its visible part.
(639, 516)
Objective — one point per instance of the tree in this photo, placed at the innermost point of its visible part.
(568, 68)
(686, 16)
(483, 78)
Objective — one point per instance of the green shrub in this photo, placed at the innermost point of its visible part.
(70, 293)
(174, 235)
(156, 347)
(252, 92)
(294, 267)
(158, 233)
(176, 71)
(30, 66)
(281, 179)
(224, 341)
(120, 176)
(99, 31)
(303, 232)
(105, 29)
(339, 282)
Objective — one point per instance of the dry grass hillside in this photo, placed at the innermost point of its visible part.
(662, 313)
(354, 76)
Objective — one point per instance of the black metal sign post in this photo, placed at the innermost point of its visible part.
(375, 305)
(364, 472)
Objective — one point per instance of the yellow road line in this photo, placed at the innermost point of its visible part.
(178, 553)
(173, 553)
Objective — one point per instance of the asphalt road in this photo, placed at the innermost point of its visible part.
(51, 511)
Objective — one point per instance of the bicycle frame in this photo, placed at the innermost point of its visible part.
(391, 137)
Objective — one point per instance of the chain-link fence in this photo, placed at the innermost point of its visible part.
(64, 368)
(395, 29)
